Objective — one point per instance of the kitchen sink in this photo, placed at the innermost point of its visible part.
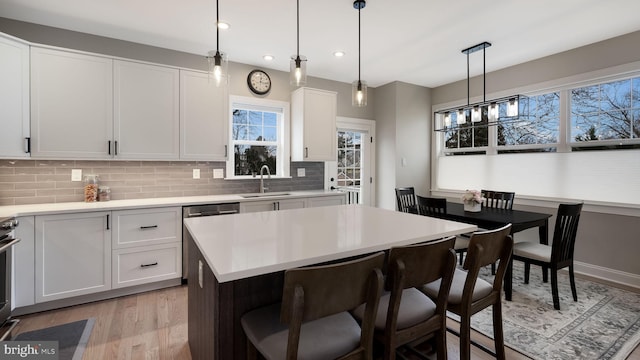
(259, 195)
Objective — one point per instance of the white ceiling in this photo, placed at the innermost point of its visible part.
(414, 41)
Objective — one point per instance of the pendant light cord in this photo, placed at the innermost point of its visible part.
(298, 28)
(358, 44)
(217, 28)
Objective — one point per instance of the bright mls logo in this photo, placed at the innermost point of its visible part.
(29, 350)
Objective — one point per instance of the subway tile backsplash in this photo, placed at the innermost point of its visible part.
(49, 181)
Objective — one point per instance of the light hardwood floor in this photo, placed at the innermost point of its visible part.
(153, 325)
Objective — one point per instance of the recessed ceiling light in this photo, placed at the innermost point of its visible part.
(338, 53)
(223, 25)
(268, 57)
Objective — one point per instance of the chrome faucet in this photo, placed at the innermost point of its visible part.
(262, 188)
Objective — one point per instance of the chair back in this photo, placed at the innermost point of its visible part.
(406, 198)
(564, 235)
(430, 206)
(486, 248)
(310, 293)
(498, 199)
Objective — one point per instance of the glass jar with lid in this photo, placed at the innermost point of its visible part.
(91, 188)
(104, 193)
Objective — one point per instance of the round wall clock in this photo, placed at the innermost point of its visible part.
(259, 82)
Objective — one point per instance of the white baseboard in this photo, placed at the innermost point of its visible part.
(616, 276)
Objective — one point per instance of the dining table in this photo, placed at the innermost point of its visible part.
(493, 218)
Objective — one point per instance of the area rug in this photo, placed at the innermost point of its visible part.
(603, 324)
(72, 338)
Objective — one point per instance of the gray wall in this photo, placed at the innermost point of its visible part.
(403, 145)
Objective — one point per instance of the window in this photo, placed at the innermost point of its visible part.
(258, 129)
(542, 127)
(608, 111)
(349, 155)
(467, 135)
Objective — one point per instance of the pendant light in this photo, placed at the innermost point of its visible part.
(359, 87)
(217, 60)
(485, 113)
(298, 67)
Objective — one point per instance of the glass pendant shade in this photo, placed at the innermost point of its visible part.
(512, 107)
(359, 93)
(493, 112)
(447, 119)
(476, 114)
(298, 70)
(218, 65)
(462, 117)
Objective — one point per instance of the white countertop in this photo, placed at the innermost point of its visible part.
(245, 245)
(71, 207)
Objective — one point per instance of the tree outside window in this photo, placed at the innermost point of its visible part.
(609, 111)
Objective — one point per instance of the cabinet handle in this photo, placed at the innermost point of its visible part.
(306, 152)
(275, 206)
(115, 147)
(147, 265)
(107, 221)
(225, 151)
(148, 227)
(28, 140)
(108, 147)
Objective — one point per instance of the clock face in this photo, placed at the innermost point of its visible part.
(259, 82)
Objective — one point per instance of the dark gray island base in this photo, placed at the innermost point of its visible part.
(237, 262)
(215, 308)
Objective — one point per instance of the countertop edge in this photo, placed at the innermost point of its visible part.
(72, 207)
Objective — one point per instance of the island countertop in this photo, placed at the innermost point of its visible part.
(245, 245)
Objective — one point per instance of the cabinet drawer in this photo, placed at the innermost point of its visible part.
(146, 227)
(146, 264)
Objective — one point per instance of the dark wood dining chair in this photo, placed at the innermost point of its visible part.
(313, 320)
(434, 207)
(406, 199)
(498, 199)
(405, 314)
(470, 294)
(556, 256)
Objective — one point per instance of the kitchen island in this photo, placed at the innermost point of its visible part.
(240, 260)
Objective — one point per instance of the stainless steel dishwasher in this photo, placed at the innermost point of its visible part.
(200, 211)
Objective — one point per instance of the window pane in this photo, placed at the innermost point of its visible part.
(270, 133)
(270, 119)
(240, 132)
(615, 96)
(542, 128)
(239, 116)
(249, 159)
(255, 118)
(604, 111)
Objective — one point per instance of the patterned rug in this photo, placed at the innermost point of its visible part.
(603, 324)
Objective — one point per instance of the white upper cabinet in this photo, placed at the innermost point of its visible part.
(14, 98)
(203, 117)
(146, 111)
(313, 125)
(71, 105)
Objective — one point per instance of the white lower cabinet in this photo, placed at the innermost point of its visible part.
(84, 253)
(24, 263)
(338, 199)
(145, 264)
(147, 246)
(272, 205)
(72, 255)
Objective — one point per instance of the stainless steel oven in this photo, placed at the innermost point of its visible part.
(7, 240)
(199, 211)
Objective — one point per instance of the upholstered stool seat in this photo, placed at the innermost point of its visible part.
(326, 338)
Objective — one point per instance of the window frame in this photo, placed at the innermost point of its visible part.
(283, 156)
(565, 142)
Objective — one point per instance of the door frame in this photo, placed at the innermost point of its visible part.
(368, 156)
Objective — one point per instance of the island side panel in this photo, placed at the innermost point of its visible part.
(214, 311)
